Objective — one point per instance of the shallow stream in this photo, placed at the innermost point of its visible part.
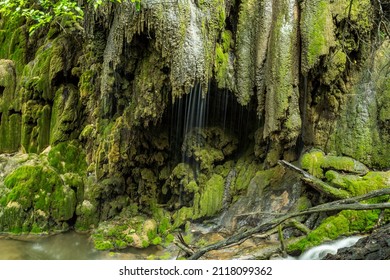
(75, 246)
(65, 246)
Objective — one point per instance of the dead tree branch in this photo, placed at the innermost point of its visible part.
(317, 183)
(344, 204)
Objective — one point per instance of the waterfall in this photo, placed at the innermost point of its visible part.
(189, 112)
(319, 252)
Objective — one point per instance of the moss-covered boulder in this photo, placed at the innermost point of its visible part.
(42, 191)
(317, 163)
(347, 222)
(130, 229)
(209, 146)
(67, 158)
(44, 203)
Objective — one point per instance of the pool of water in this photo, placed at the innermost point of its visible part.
(64, 246)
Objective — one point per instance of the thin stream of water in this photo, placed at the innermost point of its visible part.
(320, 251)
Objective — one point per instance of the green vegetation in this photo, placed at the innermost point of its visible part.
(36, 196)
(66, 157)
(44, 12)
(41, 12)
(317, 31)
(347, 222)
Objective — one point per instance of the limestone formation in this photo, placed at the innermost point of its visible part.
(134, 121)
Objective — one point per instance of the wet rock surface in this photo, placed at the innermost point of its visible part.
(373, 247)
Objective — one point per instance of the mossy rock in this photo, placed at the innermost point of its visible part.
(359, 185)
(46, 66)
(208, 146)
(66, 115)
(245, 170)
(87, 216)
(130, 231)
(35, 126)
(13, 38)
(67, 158)
(317, 31)
(316, 163)
(347, 222)
(10, 108)
(40, 197)
(211, 197)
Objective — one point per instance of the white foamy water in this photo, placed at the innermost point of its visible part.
(318, 252)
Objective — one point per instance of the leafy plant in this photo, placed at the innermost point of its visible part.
(43, 12)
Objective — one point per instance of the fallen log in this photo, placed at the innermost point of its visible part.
(343, 204)
(317, 183)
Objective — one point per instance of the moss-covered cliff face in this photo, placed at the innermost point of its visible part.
(166, 114)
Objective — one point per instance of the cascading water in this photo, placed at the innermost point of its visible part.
(189, 112)
(320, 251)
(199, 109)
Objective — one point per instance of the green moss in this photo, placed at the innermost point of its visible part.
(13, 42)
(360, 14)
(182, 215)
(10, 129)
(317, 31)
(207, 157)
(211, 197)
(86, 84)
(63, 204)
(221, 62)
(67, 157)
(38, 74)
(246, 169)
(35, 126)
(191, 187)
(357, 185)
(335, 67)
(120, 244)
(10, 108)
(281, 76)
(128, 230)
(39, 197)
(87, 216)
(312, 163)
(345, 164)
(347, 222)
(88, 132)
(66, 115)
(316, 163)
(145, 244)
(248, 20)
(149, 106)
(43, 128)
(28, 183)
(103, 245)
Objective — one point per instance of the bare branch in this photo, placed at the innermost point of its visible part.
(344, 204)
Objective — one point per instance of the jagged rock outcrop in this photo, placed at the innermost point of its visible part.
(180, 108)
